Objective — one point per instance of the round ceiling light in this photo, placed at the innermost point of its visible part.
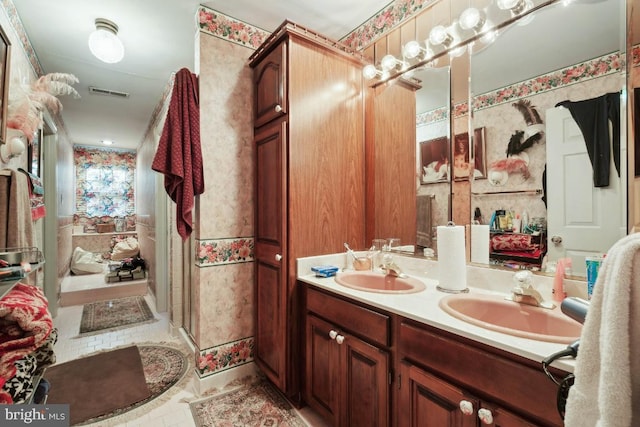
(104, 42)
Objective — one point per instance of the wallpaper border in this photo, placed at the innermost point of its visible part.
(213, 252)
(224, 357)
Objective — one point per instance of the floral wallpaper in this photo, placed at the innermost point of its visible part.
(230, 29)
(104, 185)
(225, 356)
(224, 251)
(597, 67)
(384, 21)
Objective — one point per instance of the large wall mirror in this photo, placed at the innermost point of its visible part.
(511, 82)
(529, 89)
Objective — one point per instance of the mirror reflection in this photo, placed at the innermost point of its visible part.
(433, 151)
(530, 89)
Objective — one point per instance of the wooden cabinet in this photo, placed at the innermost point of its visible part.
(309, 138)
(428, 401)
(449, 381)
(271, 86)
(346, 377)
(364, 366)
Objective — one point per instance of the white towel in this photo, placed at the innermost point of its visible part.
(607, 384)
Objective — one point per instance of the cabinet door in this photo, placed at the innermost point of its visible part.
(322, 364)
(270, 251)
(365, 378)
(270, 86)
(427, 401)
(502, 418)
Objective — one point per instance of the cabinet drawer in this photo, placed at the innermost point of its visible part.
(368, 324)
(501, 377)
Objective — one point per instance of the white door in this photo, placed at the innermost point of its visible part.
(588, 220)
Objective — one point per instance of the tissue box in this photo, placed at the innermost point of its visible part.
(106, 228)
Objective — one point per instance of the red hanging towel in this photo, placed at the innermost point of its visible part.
(179, 155)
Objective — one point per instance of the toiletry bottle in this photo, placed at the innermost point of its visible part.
(558, 281)
(517, 223)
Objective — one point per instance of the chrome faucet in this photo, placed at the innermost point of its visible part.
(523, 291)
(390, 268)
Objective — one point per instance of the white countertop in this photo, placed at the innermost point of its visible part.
(423, 306)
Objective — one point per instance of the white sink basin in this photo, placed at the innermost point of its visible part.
(377, 282)
(495, 313)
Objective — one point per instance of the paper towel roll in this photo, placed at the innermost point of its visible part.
(480, 243)
(452, 264)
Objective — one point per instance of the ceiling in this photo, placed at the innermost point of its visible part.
(158, 36)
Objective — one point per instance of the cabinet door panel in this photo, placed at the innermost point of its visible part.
(270, 250)
(426, 401)
(366, 384)
(322, 359)
(270, 343)
(270, 86)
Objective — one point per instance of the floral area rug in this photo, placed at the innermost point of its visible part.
(164, 367)
(110, 315)
(259, 404)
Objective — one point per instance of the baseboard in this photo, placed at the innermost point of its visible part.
(223, 379)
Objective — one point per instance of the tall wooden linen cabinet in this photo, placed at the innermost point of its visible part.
(309, 146)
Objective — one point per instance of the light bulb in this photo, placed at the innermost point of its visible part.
(369, 71)
(438, 35)
(388, 62)
(412, 49)
(472, 19)
(507, 4)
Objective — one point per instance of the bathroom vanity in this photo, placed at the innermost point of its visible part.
(380, 359)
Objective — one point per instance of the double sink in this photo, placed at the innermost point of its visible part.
(492, 312)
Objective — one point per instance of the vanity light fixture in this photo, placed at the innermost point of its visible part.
(413, 49)
(439, 36)
(515, 6)
(472, 19)
(104, 42)
(390, 62)
(370, 72)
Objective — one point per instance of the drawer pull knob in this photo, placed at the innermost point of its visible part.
(340, 339)
(278, 108)
(485, 416)
(278, 257)
(466, 407)
(333, 334)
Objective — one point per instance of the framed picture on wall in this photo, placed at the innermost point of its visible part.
(5, 57)
(461, 164)
(434, 158)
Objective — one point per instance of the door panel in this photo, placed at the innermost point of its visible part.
(270, 250)
(588, 219)
(366, 384)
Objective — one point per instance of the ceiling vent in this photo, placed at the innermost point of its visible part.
(100, 91)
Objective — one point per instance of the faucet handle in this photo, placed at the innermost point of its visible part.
(523, 279)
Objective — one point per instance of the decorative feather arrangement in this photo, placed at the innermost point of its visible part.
(529, 112)
(512, 165)
(27, 102)
(516, 145)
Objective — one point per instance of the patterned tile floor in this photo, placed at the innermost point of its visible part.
(173, 413)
